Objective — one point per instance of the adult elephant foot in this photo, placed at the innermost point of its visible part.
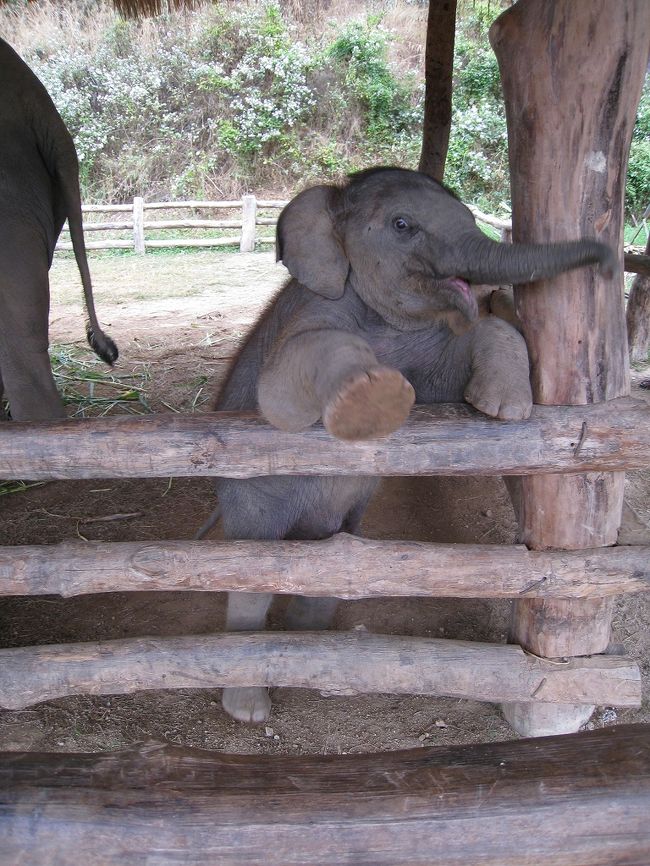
(250, 704)
(369, 405)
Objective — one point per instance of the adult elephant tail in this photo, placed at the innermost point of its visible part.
(100, 342)
(67, 170)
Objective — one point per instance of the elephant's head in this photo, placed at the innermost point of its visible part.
(409, 248)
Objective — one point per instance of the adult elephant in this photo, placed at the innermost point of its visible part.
(379, 312)
(39, 189)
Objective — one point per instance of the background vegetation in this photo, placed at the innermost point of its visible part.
(269, 96)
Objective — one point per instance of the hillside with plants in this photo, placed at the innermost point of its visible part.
(267, 97)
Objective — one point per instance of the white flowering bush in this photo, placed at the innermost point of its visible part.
(266, 81)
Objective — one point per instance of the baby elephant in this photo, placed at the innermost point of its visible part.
(379, 313)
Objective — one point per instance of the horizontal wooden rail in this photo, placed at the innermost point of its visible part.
(573, 800)
(246, 239)
(116, 226)
(195, 242)
(633, 263)
(637, 264)
(343, 566)
(106, 208)
(338, 662)
(445, 439)
(98, 245)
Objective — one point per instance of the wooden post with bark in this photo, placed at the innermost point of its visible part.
(572, 75)
(638, 315)
(249, 216)
(439, 65)
(138, 225)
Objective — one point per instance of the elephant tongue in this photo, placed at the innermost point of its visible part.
(462, 287)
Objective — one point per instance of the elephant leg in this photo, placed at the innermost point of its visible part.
(310, 613)
(499, 384)
(247, 612)
(24, 309)
(259, 508)
(3, 414)
(333, 375)
(340, 509)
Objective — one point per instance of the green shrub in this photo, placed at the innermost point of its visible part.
(387, 104)
(637, 190)
(226, 98)
(477, 160)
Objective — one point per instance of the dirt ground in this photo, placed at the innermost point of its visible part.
(177, 347)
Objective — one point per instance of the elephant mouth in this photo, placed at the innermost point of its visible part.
(438, 296)
(465, 300)
(463, 288)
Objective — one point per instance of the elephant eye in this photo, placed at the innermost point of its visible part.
(400, 224)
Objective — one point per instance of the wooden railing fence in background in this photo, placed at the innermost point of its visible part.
(248, 223)
(139, 224)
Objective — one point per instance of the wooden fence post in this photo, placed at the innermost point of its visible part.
(571, 104)
(138, 225)
(249, 215)
(638, 315)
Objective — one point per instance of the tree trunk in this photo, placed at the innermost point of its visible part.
(638, 315)
(439, 65)
(572, 75)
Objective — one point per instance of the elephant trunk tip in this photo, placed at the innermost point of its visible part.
(609, 263)
(102, 345)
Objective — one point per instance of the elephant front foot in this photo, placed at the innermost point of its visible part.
(250, 704)
(508, 401)
(369, 405)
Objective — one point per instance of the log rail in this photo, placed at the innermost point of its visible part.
(343, 566)
(576, 800)
(450, 439)
(338, 662)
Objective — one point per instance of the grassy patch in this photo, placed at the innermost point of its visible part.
(93, 390)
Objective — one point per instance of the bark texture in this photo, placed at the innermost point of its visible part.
(572, 75)
(581, 800)
(439, 65)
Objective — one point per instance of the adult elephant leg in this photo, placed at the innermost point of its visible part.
(24, 309)
(3, 414)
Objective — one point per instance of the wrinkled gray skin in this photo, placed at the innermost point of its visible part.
(378, 300)
(39, 189)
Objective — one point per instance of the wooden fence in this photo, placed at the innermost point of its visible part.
(135, 221)
(436, 440)
(561, 801)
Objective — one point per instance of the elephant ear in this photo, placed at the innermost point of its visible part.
(308, 243)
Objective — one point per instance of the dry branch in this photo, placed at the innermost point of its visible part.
(351, 662)
(580, 800)
(448, 439)
(343, 566)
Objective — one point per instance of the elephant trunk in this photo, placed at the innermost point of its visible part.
(481, 260)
